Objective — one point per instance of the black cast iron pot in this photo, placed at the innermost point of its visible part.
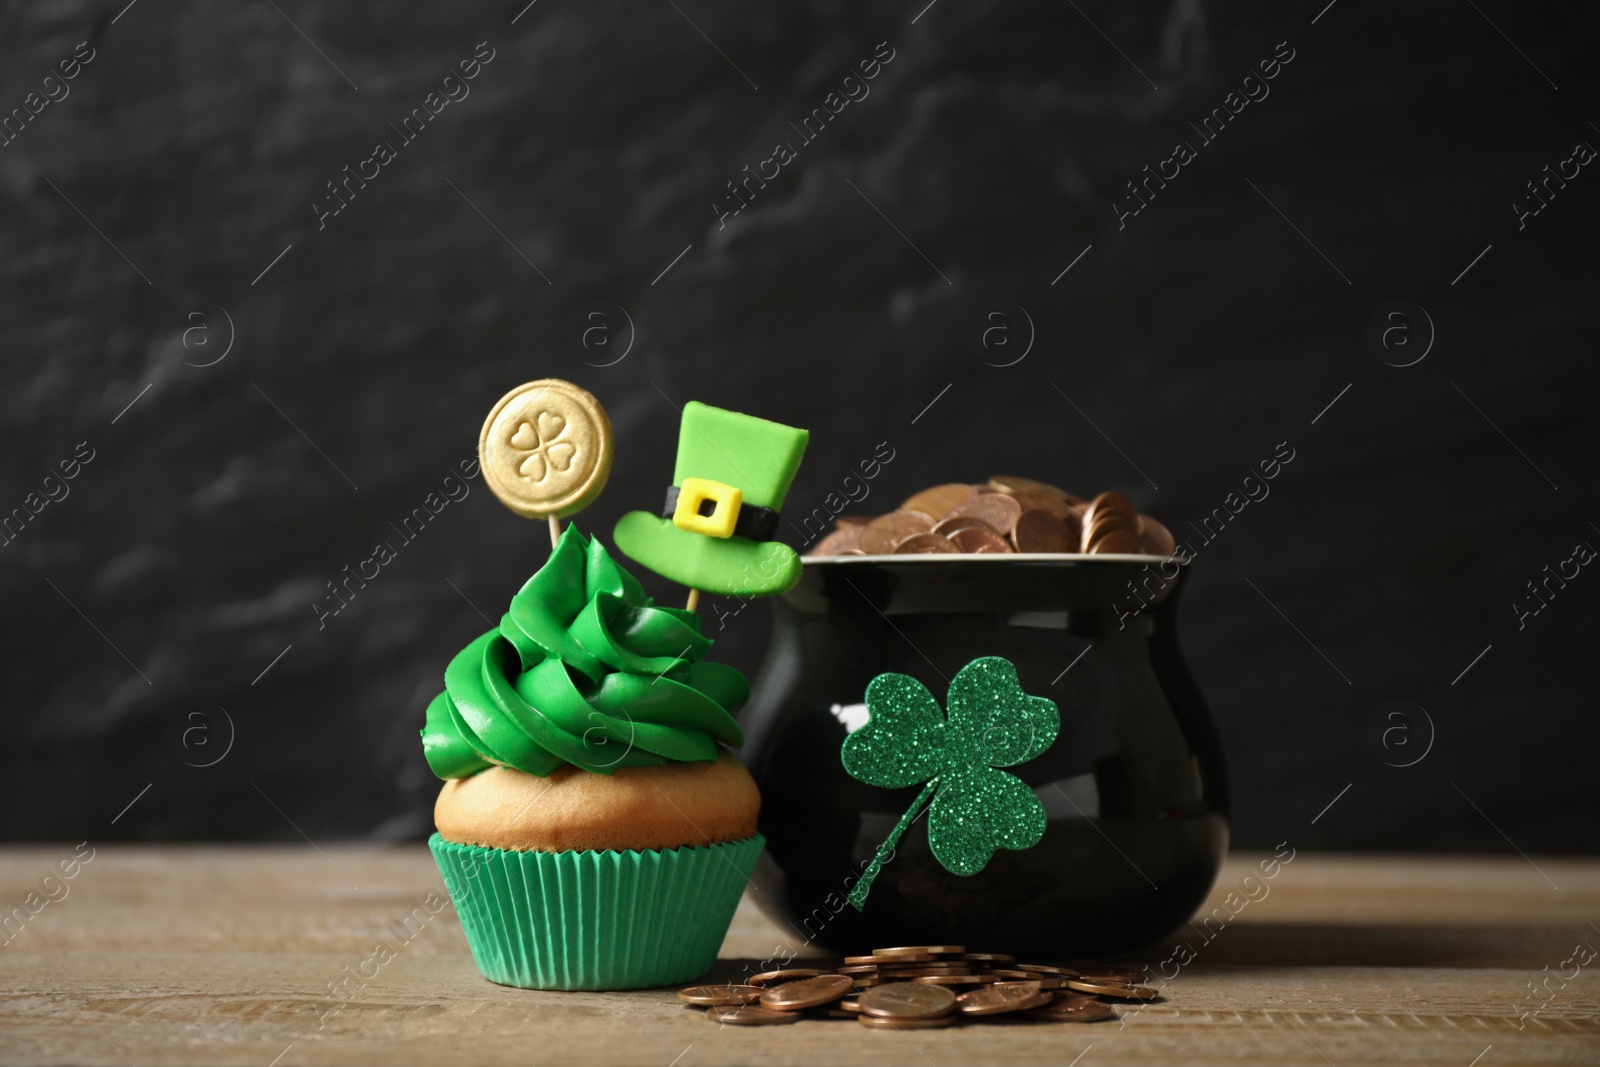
(1134, 786)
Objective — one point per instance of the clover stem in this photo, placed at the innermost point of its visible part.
(858, 893)
(555, 531)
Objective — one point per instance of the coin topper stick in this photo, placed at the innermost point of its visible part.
(545, 450)
(716, 529)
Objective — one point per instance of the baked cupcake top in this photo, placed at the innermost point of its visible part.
(584, 669)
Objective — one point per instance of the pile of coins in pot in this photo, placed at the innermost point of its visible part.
(923, 987)
(1006, 514)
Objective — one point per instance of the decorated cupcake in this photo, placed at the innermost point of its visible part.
(593, 831)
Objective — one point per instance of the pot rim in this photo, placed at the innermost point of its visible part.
(994, 558)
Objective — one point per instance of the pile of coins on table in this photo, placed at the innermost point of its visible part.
(1003, 515)
(923, 987)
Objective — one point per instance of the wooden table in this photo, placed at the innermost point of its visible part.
(235, 956)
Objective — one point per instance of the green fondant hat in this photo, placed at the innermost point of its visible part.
(716, 531)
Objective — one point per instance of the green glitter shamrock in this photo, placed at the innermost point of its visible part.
(976, 809)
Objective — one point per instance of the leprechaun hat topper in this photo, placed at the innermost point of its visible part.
(716, 530)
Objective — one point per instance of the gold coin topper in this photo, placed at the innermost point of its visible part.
(545, 449)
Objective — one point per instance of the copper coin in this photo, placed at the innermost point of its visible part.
(1014, 974)
(996, 509)
(1109, 972)
(1110, 518)
(1111, 502)
(750, 1015)
(901, 974)
(720, 994)
(888, 1022)
(924, 544)
(917, 952)
(853, 960)
(1037, 530)
(1055, 505)
(952, 979)
(1111, 506)
(806, 993)
(850, 1004)
(1092, 539)
(1011, 483)
(1045, 968)
(989, 957)
(792, 974)
(946, 527)
(1117, 541)
(1113, 989)
(1077, 1010)
(908, 1000)
(980, 542)
(836, 542)
(998, 999)
(937, 501)
(883, 533)
(1106, 521)
(1156, 538)
(861, 981)
(842, 521)
(1091, 543)
(858, 968)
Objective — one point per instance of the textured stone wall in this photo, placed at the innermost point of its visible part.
(172, 198)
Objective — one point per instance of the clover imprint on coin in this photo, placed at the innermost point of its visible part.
(540, 443)
(545, 448)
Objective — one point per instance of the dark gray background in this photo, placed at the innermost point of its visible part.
(1221, 321)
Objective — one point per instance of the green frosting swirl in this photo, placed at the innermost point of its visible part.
(584, 669)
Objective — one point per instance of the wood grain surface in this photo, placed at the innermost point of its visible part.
(255, 956)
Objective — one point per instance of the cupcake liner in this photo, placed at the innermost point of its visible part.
(595, 919)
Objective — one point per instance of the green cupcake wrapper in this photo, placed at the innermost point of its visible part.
(595, 919)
